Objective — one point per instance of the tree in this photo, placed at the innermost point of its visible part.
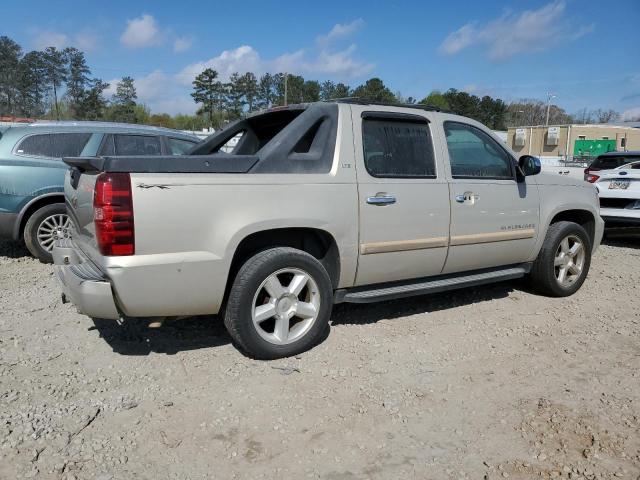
(92, 105)
(374, 90)
(124, 101)
(605, 116)
(77, 79)
(533, 112)
(248, 85)
(266, 94)
(31, 84)
(435, 99)
(10, 53)
(56, 72)
(208, 91)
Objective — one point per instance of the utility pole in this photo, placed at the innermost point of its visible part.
(549, 97)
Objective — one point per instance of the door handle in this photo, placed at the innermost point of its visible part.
(467, 197)
(381, 199)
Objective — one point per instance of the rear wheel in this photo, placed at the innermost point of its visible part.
(279, 304)
(44, 227)
(564, 260)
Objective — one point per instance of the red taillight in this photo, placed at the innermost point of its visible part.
(113, 214)
(591, 178)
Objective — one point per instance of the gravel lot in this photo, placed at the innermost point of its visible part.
(492, 382)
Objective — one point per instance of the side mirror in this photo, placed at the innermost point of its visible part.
(529, 165)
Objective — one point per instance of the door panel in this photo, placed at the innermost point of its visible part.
(494, 219)
(404, 222)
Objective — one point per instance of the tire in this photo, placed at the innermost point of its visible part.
(51, 219)
(546, 276)
(269, 287)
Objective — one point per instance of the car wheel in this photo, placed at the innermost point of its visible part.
(43, 227)
(279, 304)
(564, 260)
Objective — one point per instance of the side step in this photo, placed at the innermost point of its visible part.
(422, 286)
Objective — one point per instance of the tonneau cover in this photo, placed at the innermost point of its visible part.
(216, 163)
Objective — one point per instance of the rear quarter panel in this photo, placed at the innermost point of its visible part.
(188, 227)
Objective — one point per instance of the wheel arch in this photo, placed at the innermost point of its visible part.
(31, 207)
(317, 242)
(584, 218)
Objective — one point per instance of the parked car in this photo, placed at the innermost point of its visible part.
(619, 193)
(32, 172)
(316, 205)
(609, 161)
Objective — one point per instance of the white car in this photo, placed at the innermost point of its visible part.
(619, 192)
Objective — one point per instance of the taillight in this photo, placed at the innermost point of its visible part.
(591, 178)
(113, 214)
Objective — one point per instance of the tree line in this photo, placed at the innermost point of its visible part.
(58, 84)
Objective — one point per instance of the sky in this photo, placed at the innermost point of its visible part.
(585, 52)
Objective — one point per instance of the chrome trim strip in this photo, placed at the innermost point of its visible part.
(492, 237)
(403, 245)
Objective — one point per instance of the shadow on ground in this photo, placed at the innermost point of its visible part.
(134, 337)
(621, 237)
(11, 249)
(362, 314)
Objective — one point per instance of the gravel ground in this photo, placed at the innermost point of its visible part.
(492, 382)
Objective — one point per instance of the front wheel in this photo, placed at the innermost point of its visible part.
(279, 304)
(44, 227)
(564, 260)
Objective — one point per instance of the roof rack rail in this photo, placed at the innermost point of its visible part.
(364, 101)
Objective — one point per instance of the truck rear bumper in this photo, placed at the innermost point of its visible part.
(83, 283)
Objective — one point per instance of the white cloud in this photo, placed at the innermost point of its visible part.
(340, 30)
(182, 44)
(141, 32)
(514, 33)
(338, 64)
(631, 115)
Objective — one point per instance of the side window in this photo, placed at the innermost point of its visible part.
(474, 154)
(136, 145)
(178, 146)
(397, 148)
(35, 146)
(68, 144)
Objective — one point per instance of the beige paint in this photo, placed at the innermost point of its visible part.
(492, 237)
(402, 245)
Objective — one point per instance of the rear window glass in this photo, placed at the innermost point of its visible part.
(179, 147)
(68, 144)
(394, 148)
(610, 161)
(54, 145)
(137, 145)
(35, 145)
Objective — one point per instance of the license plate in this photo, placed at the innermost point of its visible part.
(619, 184)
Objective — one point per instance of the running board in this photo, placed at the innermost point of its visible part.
(422, 286)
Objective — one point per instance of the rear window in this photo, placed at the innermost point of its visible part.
(53, 145)
(395, 148)
(178, 146)
(610, 162)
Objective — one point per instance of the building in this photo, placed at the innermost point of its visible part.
(578, 143)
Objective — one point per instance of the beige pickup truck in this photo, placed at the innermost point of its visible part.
(314, 205)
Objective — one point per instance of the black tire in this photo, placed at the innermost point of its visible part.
(246, 286)
(32, 226)
(543, 273)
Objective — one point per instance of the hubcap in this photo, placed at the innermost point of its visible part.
(285, 306)
(52, 228)
(569, 260)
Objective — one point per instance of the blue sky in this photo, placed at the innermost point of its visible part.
(584, 51)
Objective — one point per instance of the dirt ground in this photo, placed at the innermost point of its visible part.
(490, 382)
